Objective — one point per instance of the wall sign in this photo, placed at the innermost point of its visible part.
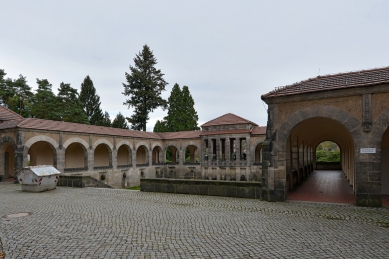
(367, 150)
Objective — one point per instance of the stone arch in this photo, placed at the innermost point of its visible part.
(103, 141)
(125, 142)
(73, 160)
(381, 130)
(7, 145)
(142, 156)
(36, 159)
(286, 150)
(8, 139)
(380, 125)
(142, 143)
(76, 140)
(330, 112)
(157, 153)
(174, 152)
(102, 154)
(44, 138)
(192, 156)
(253, 150)
(124, 156)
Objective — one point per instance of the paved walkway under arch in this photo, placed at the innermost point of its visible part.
(324, 186)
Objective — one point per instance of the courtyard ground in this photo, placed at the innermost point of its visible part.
(108, 223)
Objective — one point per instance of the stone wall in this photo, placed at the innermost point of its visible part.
(203, 187)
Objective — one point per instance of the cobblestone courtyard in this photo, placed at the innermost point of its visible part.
(106, 223)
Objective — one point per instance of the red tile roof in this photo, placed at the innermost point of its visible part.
(335, 81)
(181, 134)
(40, 124)
(6, 114)
(258, 130)
(220, 132)
(227, 119)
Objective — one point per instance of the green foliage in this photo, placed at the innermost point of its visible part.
(181, 113)
(160, 126)
(134, 188)
(144, 87)
(120, 122)
(44, 103)
(22, 96)
(6, 88)
(106, 120)
(70, 105)
(327, 151)
(91, 102)
(190, 116)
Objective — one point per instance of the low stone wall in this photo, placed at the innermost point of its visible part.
(239, 189)
(80, 181)
(328, 166)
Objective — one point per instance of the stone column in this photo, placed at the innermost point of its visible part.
(227, 149)
(237, 149)
(218, 149)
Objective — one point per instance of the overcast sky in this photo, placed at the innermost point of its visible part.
(228, 53)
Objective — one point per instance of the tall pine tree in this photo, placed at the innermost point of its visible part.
(106, 120)
(144, 87)
(182, 115)
(91, 102)
(6, 89)
(22, 96)
(44, 103)
(70, 105)
(189, 114)
(175, 113)
(120, 122)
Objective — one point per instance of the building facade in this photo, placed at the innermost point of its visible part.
(350, 109)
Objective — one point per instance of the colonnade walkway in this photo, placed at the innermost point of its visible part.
(324, 186)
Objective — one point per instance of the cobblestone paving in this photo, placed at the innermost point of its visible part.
(106, 223)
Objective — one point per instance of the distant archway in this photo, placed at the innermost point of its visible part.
(385, 163)
(42, 153)
(171, 154)
(142, 156)
(76, 157)
(7, 159)
(102, 156)
(124, 156)
(192, 154)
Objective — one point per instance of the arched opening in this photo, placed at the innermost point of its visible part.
(7, 152)
(142, 157)
(157, 155)
(192, 154)
(76, 157)
(102, 157)
(171, 155)
(258, 154)
(328, 156)
(307, 178)
(124, 156)
(42, 153)
(385, 164)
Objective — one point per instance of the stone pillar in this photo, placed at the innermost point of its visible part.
(248, 152)
(218, 149)
(227, 149)
(210, 149)
(237, 149)
(60, 159)
(114, 158)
